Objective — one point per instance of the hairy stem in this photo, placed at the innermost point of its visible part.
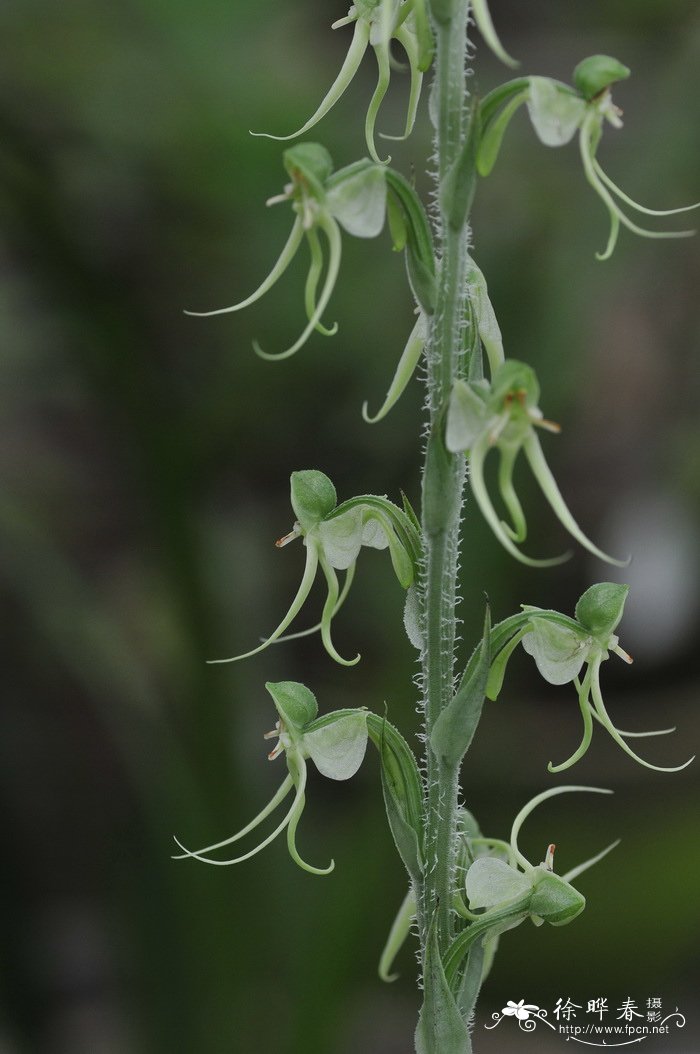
(443, 481)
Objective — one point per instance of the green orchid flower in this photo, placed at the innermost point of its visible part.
(502, 893)
(337, 749)
(561, 646)
(353, 198)
(377, 23)
(558, 112)
(333, 536)
(504, 414)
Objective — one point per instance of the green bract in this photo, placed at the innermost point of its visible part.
(354, 198)
(558, 112)
(377, 23)
(504, 414)
(561, 646)
(333, 536)
(336, 749)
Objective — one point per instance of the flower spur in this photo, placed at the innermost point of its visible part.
(504, 414)
(353, 198)
(558, 112)
(337, 749)
(333, 536)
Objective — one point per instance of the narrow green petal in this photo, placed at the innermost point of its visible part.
(349, 575)
(357, 48)
(482, 16)
(299, 796)
(283, 262)
(312, 278)
(294, 609)
(607, 722)
(330, 228)
(531, 805)
(542, 473)
(400, 929)
(639, 735)
(410, 357)
(584, 692)
(605, 178)
(410, 46)
(327, 614)
(375, 102)
(274, 801)
(518, 532)
(476, 478)
(580, 868)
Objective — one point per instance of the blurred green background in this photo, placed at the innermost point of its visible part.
(143, 479)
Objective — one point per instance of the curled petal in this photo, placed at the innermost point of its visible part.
(639, 735)
(410, 45)
(330, 228)
(349, 575)
(283, 262)
(615, 733)
(482, 17)
(297, 767)
(278, 797)
(410, 358)
(605, 178)
(542, 473)
(531, 805)
(383, 75)
(584, 704)
(294, 609)
(358, 46)
(327, 614)
(400, 929)
(293, 811)
(315, 268)
(518, 532)
(476, 478)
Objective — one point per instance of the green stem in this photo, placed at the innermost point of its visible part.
(443, 481)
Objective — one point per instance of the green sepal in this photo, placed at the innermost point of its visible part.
(397, 224)
(406, 533)
(440, 506)
(459, 185)
(556, 113)
(596, 73)
(356, 197)
(310, 164)
(420, 254)
(489, 925)
(295, 703)
(600, 608)
(454, 729)
(337, 749)
(441, 1029)
(555, 900)
(491, 103)
(313, 497)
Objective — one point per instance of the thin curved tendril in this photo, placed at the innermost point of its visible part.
(482, 16)
(383, 76)
(299, 795)
(617, 216)
(580, 868)
(496, 843)
(349, 575)
(605, 178)
(332, 232)
(404, 371)
(408, 43)
(583, 694)
(476, 478)
(518, 532)
(283, 261)
(527, 809)
(327, 614)
(315, 268)
(307, 581)
(607, 722)
(548, 485)
(400, 929)
(294, 817)
(358, 46)
(635, 735)
(278, 797)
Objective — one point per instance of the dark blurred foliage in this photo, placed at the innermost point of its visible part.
(144, 470)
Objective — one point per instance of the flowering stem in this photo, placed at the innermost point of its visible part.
(443, 481)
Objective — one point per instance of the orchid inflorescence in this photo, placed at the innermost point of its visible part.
(333, 536)
(558, 111)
